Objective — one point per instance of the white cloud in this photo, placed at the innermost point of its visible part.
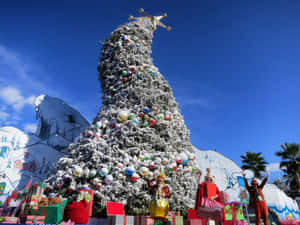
(30, 127)
(274, 167)
(12, 96)
(11, 59)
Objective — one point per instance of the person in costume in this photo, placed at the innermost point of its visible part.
(257, 199)
(209, 204)
(160, 189)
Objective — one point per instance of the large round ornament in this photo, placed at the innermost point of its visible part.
(144, 171)
(122, 116)
(129, 171)
(134, 177)
(103, 172)
(77, 171)
(109, 179)
(93, 173)
(158, 208)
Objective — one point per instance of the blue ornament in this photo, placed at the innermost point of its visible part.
(129, 171)
(137, 45)
(146, 110)
(185, 162)
(123, 37)
(139, 74)
(103, 172)
(135, 122)
(153, 74)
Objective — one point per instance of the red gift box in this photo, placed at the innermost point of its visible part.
(193, 218)
(90, 201)
(35, 220)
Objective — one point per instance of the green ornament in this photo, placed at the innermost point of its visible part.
(146, 124)
(131, 116)
(124, 73)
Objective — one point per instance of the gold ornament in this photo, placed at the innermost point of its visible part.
(158, 208)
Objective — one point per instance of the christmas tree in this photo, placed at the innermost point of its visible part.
(138, 132)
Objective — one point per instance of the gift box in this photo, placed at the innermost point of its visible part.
(88, 195)
(54, 214)
(41, 211)
(143, 220)
(228, 210)
(121, 220)
(175, 220)
(10, 219)
(35, 220)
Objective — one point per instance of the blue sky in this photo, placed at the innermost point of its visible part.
(233, 65)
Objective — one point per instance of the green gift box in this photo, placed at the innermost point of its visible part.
(239, 213)
(175, 220)
(54, 214)
(39, 212)
(228, 212)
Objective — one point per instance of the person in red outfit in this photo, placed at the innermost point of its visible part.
(209, 207)
(257, 199)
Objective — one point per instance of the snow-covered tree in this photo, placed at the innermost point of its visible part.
(138, 132)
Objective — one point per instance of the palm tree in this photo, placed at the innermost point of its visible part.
(290, 165)
(254, 162)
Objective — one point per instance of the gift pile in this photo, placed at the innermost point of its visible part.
(138, 132)
(31, 206)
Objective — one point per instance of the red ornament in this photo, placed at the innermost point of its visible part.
(127, 40)
(151, 167)
(125, 79)
(134, 179)
(174, 169)
(133, 69)
(137, 25)
(58, 186)
(111, 45)
(113, 125)
(167, 117)
(152, 122)
(178, 161)
(142, 114)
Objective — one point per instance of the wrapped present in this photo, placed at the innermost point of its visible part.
(77, 212)
(175, 220)
(41, 211)
(121, 220)
(88, 195)
(228, 210)
(143, 220)
(54, 213)
(35, 220)
(238, 212)
(10, 219)
(195, 222)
